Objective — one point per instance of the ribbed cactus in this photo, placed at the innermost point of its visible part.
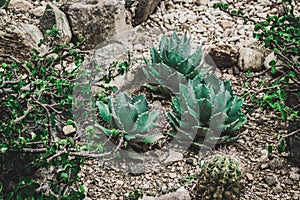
(220, 178)
(173, 63)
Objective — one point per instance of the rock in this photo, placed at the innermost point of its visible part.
(18, 39)
(144, 9)
(226, 25)
(249, 176)
(277, 189)
(250, 60)
(223, 56)
(294, 176)
(53, 16)
(173, 157)
(68, 130)
(101, 19)
(268, 59)
(293, 142)
(39, 11)
(265, 166)
(180, 194)
(264, 155)
(31, 34)
(270, 179)
(20, 5)
(200, 28)
(202, 2)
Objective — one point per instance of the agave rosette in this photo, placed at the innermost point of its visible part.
(206, 108)
(130, 115)
(173, 63)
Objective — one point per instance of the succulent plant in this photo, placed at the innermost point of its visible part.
(220, 178)
(206, 108)
(130, 115)
(173, 63)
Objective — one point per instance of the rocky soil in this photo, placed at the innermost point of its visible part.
(266, 176)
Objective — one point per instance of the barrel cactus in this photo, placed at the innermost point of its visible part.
(130, 115)
(206, 108)
(220, 178)
(173, 63)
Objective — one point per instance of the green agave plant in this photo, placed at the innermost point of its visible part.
(130, 115)
(206, 109)
(173, 63)
(220, 178)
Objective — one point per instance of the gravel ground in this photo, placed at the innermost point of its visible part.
(265, 176)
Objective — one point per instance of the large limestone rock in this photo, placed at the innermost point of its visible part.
(16, 41)
(250, 60)
(97, 21)
(54, 16)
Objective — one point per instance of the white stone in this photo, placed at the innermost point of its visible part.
(68, 130)
(250, 59)
(20, 5)
(39, 11)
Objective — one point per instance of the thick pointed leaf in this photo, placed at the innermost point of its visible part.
(228, 87)
(214, 82)
(141, 103)
(236, 106)
(104, 112)
(155, 57)
(205, 109)
(153, 138)
(173, 119)
(217, 122)
(106, 131)
(145, 121)
(220, 101)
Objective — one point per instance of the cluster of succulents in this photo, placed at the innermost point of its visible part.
(220, 178)
(132, 116)
(173, 63)
(206, 109)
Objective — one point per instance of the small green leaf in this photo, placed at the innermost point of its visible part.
(273, 70)
(281, 147)
(70, 122)
(64, 175)
(272, 63)
(292, 74)
(3, 148)
(270, 149)
(48, 32)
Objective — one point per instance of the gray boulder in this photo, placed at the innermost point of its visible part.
(16, 41)
(54, 16)
(96, 21)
